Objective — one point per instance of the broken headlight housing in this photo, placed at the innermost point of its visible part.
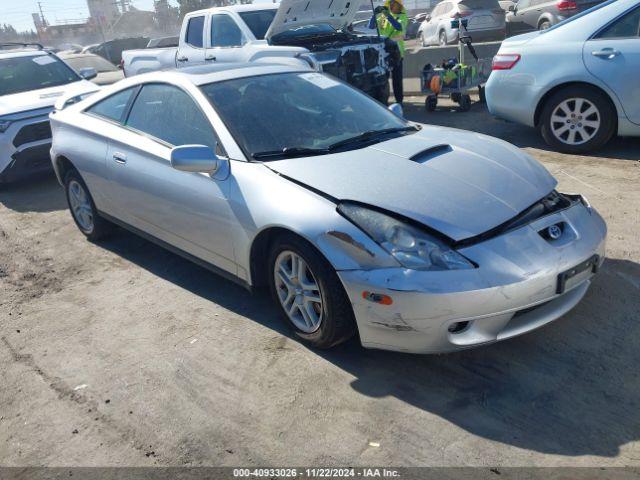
(410, 246)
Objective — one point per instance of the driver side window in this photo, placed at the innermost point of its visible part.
(169, 114)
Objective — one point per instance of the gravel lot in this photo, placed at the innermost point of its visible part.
(120, 353)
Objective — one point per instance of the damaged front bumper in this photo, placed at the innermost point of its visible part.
(524, 280)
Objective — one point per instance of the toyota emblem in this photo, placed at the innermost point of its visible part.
(554, 232)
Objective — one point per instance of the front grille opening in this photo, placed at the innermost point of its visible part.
(524, 311)
(32, 133)
(554, 202)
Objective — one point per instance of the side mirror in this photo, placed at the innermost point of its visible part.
(396, 108)
(427, 18)
(512, 8)
(194, 158)
(88, 73)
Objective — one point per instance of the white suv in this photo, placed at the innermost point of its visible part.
(31, 80)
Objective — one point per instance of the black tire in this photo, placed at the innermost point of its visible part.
(338, 322)
(382, 94)
(431, 103)
(482, 94)
(442, 38)
(100, 227)
(543, 25)
(465, 103)
(606, 110)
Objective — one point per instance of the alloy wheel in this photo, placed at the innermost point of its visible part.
(80, 206)
(575, 121)
(298, 291)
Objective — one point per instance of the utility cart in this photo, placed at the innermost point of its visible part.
(454, 80)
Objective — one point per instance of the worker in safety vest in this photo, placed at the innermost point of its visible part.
(392, 23)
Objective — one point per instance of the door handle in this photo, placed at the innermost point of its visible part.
(120, 157)
(606, 53)
(210, 58)
(182, 59)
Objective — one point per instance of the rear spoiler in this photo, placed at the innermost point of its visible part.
(66, 100)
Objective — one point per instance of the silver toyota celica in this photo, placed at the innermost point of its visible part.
(420, 238)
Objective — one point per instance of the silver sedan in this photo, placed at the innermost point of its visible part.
(420, 238)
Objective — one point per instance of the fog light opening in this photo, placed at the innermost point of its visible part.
(458, 327)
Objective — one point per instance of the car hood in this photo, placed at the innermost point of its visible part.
(296, 13)
(42, 98)
(459, 183)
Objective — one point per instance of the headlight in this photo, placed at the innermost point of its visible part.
(410, 246)
(4, 125)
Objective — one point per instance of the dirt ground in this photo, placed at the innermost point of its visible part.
(120, 353)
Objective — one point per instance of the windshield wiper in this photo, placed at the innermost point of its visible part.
(290, 152)
(370, 135)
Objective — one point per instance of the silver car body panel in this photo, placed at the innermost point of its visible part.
(490, 180)
(217, 219)
(515, 94)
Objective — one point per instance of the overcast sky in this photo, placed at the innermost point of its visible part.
(18, 12)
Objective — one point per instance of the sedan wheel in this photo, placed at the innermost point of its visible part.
(82, 208)
(309, 293)
(578, 120)
(298, 291)
(575, 121)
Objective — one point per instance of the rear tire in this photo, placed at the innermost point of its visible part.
(83, 210)
(297, 284)
(592, 125)
(544, 25)
(431, 103)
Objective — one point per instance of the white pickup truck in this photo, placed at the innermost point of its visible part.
(295, 32)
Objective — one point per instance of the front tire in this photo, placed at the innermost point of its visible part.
(578, 119)
(309, 294)
(442, 38)
(82, 208)
(422, 40)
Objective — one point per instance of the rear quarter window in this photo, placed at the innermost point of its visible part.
(113, 107)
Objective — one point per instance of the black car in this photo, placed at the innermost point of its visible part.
(530, 15)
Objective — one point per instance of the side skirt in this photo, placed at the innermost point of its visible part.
(177, 251)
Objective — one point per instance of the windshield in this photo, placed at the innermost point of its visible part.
(91, 61)
(296, 111)
(579, 15)
(22, 74)
(259, 21)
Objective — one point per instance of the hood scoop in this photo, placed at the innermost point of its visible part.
(431, 152)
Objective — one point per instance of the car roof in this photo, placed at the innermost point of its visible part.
(249, 7)
(204, 74)
(22, 52)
